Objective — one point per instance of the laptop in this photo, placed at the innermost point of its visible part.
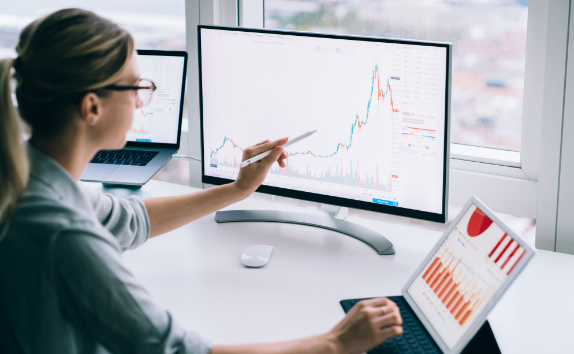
(445, 302)
(156, 130)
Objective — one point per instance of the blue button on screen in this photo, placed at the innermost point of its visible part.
(385, 202)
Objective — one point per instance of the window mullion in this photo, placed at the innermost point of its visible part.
(251, 13)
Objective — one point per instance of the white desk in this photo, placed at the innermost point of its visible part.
(196, 273)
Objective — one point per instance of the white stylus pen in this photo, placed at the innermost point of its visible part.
(266, 153)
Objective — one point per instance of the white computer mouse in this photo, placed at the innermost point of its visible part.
(256, 256)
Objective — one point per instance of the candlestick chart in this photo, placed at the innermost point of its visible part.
(354, 159)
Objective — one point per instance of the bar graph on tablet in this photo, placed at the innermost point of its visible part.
(466, 271)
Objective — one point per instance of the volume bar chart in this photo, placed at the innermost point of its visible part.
(456, 294)
(338, 176)
(138, 130)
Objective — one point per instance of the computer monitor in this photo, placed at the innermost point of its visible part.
(380, 107)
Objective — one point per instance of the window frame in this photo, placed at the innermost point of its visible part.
(555, 193)
(508, 181)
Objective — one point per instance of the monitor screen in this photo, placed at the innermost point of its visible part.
(158, 121)
(469, 267)
(380, 108)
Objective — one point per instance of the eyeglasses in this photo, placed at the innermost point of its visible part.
(145, 89)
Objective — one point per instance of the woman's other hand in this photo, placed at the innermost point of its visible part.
(366, 325)
(251, 176)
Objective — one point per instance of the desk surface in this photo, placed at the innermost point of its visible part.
(196, 273)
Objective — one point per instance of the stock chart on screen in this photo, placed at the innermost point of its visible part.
(465, 273)
(378, 108)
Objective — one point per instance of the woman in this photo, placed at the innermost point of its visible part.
(63, 285)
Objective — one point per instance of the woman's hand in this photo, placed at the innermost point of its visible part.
(368, 324)
(251, 176)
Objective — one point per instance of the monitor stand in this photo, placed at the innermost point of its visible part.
(123, 191)
(331, 220)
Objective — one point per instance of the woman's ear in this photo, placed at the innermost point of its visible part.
(90, 108)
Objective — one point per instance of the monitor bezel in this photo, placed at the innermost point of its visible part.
(474, 328)
(326, 199)
(166, 53)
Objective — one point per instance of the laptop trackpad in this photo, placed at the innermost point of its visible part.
(98, 171)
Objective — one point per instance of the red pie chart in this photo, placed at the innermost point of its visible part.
(478, 223)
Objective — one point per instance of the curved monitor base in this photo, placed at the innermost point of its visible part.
(377, 241)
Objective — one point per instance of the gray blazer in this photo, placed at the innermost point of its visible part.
(63, 284)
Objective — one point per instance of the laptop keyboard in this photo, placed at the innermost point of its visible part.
(415, 338)
(124, 157)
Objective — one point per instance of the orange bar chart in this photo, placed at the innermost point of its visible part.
(453, 293)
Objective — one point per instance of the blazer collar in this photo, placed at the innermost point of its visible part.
(52, 176)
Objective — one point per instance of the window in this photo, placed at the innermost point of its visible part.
(488, 59)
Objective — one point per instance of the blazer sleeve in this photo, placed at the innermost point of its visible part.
(126, 219)
(99, 296)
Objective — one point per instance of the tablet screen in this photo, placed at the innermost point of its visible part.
(464, 274)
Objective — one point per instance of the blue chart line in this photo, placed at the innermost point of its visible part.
(225, 139)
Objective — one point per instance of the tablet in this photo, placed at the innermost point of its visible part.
(465, 274)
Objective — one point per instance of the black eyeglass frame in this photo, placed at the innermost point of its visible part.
(153, 88)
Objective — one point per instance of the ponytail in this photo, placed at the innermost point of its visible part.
(13, 159)
(60, 57)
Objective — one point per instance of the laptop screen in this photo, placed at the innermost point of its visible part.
(158, 121)
(469, 267)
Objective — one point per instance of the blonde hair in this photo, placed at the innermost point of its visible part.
(61, 57)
